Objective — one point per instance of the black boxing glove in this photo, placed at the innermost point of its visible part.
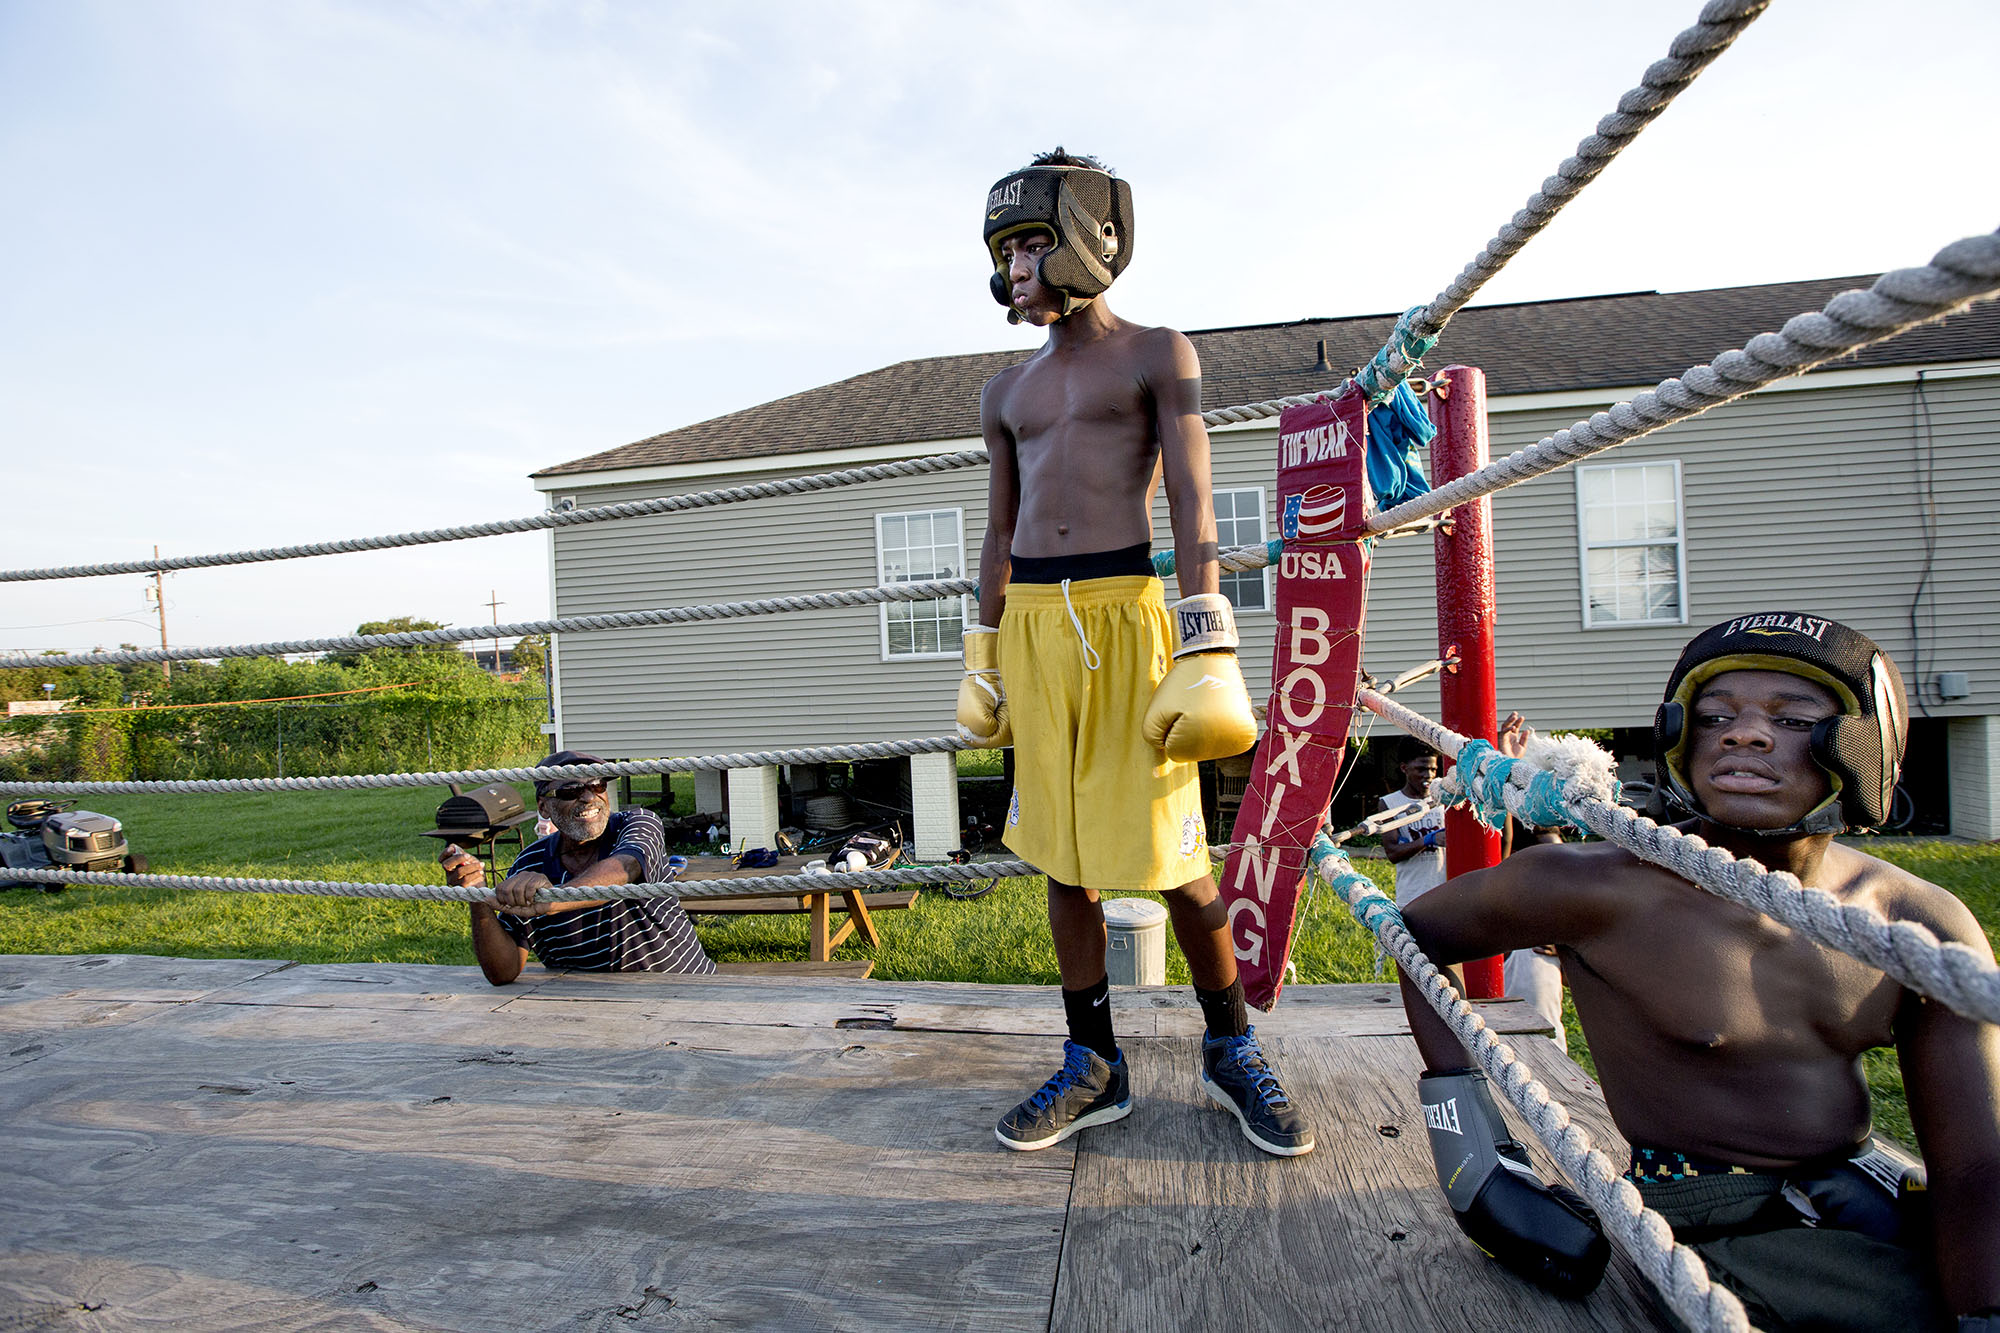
(1545, 1233)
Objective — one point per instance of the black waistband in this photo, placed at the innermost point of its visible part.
(1127, 560)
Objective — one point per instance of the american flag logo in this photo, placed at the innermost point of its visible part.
(1314, 513)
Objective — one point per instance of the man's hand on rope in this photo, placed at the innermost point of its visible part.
(462, 870)
(516, 896)
(1515, 733)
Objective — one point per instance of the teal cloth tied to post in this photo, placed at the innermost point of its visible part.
(1396, 430)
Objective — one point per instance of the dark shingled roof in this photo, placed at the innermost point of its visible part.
(1592, 342)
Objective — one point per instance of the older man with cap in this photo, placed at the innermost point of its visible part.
(592, 845)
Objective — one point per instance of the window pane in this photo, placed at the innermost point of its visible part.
(1596, 483)
(918, 547)
(1659, 484)
(1245, 590)
(1597, 524)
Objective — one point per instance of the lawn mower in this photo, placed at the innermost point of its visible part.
(51, 835)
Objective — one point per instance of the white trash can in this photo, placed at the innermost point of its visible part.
(1135, 952)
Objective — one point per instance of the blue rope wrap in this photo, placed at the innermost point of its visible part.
(1479, 779)
(1163, 561)
(1366, 902)
(1375, 378)
(1481, 772)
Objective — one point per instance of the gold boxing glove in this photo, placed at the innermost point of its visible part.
(982, 699)
(1202, 710)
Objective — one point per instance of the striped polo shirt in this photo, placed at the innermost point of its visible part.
(622, 935)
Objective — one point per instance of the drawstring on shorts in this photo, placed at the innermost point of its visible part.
(1090, 658)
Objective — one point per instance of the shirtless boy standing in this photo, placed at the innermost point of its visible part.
(1108, 698)
(1729, 1046)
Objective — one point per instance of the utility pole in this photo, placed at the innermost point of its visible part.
(494, 605)
(159, 598)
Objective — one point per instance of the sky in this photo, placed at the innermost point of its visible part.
(277, 274)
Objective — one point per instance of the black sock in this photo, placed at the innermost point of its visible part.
(1089, 1014)
(1224, 1010)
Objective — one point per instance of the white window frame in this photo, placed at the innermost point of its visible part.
(882, 577)
(1264, 530)
(1584, 546)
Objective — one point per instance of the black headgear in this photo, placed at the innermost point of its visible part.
(1860, 748)
(1087, 211)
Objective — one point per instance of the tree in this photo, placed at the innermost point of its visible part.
(531, 655)
(400, 625)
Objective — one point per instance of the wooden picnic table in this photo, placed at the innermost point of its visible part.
(819, 904)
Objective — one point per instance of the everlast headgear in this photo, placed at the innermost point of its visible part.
(1087, 211)
(1860, 748)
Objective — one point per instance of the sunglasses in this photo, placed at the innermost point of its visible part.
(570, 791)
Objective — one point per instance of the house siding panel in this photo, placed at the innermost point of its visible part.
(1805, 499)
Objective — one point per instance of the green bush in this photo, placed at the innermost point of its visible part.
(453, 715)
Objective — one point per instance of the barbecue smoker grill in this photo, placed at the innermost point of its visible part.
(479, 821)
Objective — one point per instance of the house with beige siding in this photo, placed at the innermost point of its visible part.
(1865, 491)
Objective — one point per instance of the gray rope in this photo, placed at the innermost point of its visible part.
(829, 881)
(1676, 1271)
(480, 777)
(1946, 971)
(534, 522)
(1238, 558)
(927, 590)
(667, 504)
(1720, 23)
(1963, 272)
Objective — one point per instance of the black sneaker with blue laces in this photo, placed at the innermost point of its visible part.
(1236, 1074)
(1087, 1090)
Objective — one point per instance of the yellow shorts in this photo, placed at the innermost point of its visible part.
(1094, 804)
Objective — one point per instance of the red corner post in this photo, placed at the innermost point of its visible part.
(1465, 604)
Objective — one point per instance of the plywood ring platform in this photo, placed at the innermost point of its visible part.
(225, 1145)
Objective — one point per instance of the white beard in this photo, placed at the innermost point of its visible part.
(584, 828)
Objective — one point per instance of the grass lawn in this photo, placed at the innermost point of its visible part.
(373, 836)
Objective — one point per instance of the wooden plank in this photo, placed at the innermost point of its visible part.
(858, 918)
(888, 901)
(295, 1151)
(1327, 1011)
(275, 1167)
(1178, 1222)
(820, 948)
(377, 986)
(140, 978)
(857, 969)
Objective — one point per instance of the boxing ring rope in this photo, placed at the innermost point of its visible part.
(819, 882)
(1692, 51)
(1571, 782)
(1963, 272)
(928, 590)
(1676, 1271)
(480, 777)
(532, 523)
